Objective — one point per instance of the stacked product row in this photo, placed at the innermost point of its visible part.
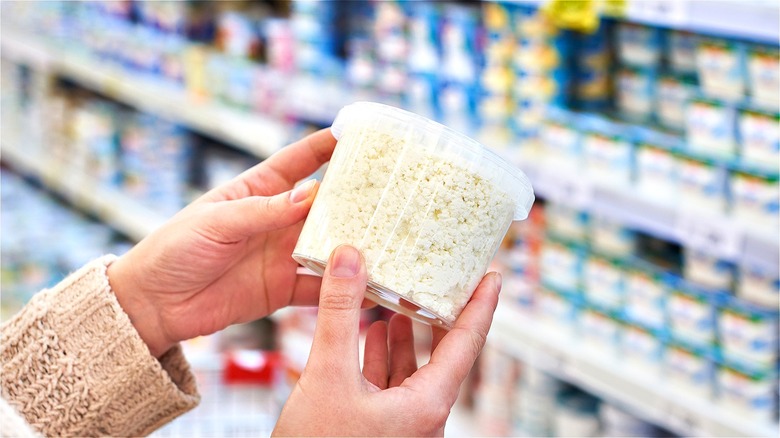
(511, 398)
(141, 154)
(159, 163)
(493, 70)
(62, 241)
(701, 123)
(662, 167)
(679, 314)
(465, 65)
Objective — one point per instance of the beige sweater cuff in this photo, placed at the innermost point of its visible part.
(73, 364)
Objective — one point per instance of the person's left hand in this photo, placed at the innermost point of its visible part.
(391, 396)
(225, 258)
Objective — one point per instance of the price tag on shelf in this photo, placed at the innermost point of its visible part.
(673, 12)
(715, 235)
(566, 187)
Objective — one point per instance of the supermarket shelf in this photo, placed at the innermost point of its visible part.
(755, 20)
(114, 207)
(718, 235)
(649, 397)
(258, 135)
(315, 101)
(747, 19)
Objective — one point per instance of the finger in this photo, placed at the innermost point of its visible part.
(291, 164)
(456, 352)
(375, 355)
(437, 334)
(231, 221)
(307, 292)
(403, 360)
(304, 157)
(335, 346)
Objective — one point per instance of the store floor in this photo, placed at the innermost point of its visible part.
(226, 410)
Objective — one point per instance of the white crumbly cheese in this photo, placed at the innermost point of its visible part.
(427, 226)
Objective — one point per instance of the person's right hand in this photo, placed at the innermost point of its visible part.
(391, 396)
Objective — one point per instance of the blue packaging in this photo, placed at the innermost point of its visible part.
(759, 284)
(639, 45)
(681, 46)
(759, 134)
(561, 265)
(599, 328)
(592, 70)
(635, 94)
(721, 67)
(561, 139)
(607, 151)
(642, 349)
(763, 68)
(748, 333)
(672, 94)
(603, 282)
(690, 369)
(691, 314)
(711, 128)
(748, 391)
(557, 308)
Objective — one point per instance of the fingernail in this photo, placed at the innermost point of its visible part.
(302, 192)
(345, 262)
(497, 281)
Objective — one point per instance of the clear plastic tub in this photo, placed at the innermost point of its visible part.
(427, 207)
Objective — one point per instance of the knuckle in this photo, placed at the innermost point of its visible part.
(474, 340)
(265, 206)
(338, 298)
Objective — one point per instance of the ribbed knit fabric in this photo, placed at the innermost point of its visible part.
(72, 364)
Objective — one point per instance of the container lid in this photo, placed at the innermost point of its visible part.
(487, 163)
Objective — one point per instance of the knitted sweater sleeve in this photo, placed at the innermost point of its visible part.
(72, 364)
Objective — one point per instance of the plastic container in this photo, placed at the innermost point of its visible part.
(691, 315)
(639, 45)
(721, 68)
(427, 206)
(646, 294)
(760, 285)
(747, 391)
(672, 94)
(702, 268)
(611, 238)
(711, 128)
(603, 282)
(763, 67)
(759, 133)
(636, 91)
(642, 349)
(756, 199)
(682, 51)
(748, 333)
(690, 371)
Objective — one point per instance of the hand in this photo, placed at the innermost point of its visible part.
(391, 396)
(225, 258)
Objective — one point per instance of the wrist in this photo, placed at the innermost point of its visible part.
(134, 301)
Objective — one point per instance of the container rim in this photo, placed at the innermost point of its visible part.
(524, 195)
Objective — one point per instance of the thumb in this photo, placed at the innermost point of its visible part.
(238, 219)
(335, 345)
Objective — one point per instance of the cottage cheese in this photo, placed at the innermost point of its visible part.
(426, 224)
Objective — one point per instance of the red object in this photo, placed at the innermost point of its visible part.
(251, 366)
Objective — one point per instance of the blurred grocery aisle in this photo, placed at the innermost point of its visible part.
(641, 297)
